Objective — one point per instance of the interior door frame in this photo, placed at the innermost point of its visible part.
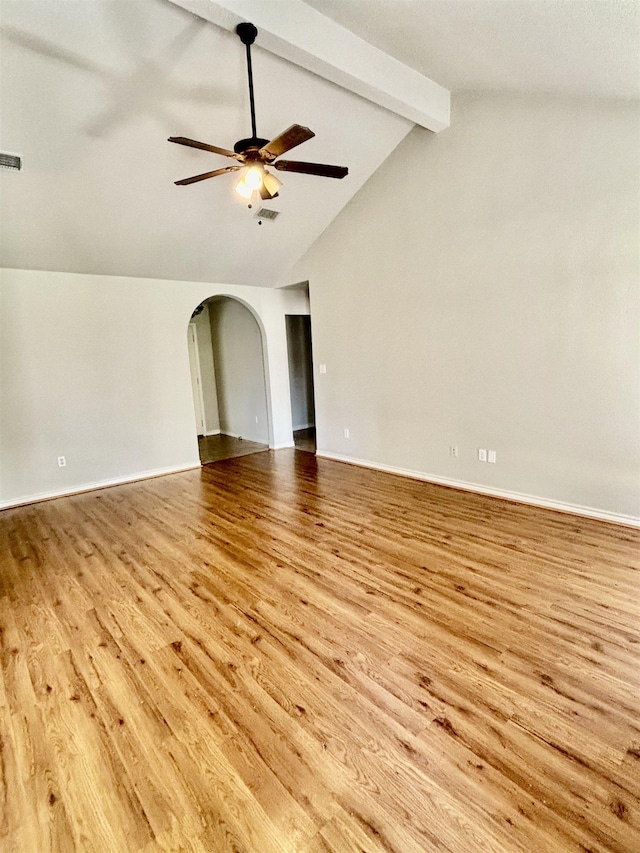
(195, 366)
(309, 352)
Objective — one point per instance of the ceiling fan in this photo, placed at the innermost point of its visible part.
(254, 154)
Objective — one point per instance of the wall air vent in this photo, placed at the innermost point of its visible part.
(267, 215)
(10, 161)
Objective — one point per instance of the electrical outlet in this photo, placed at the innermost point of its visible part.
(346, 432)
(453, 450)
(323, 368)
(482, 454)
(62, 461)
(491, 456)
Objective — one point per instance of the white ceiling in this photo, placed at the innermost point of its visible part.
(583, 48)
(91, 89)
(90, 92)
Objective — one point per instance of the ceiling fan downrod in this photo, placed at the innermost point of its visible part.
(247, 33)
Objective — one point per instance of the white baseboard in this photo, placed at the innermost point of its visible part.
(99, 484)
(574, 509)
(213, 432)
(303, 426)
(532, 500)
(282, 446)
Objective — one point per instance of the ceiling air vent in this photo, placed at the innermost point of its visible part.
(267, 215)
(10, 161)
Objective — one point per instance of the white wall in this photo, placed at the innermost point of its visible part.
(96, 368)
(239, 366)
(482, 290)
(207, 372)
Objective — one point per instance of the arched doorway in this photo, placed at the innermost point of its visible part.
(226, 355)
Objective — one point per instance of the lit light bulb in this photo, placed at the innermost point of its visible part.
(243, 190)
(253, 178)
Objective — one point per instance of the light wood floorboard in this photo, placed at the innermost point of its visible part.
(284, 654)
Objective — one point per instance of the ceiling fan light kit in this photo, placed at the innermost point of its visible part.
(254, 154)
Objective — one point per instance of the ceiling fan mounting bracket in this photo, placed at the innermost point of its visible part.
(247, 33)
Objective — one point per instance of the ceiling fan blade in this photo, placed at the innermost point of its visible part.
(193, 143)
(320, 169)
(292, 136)
(206, 175)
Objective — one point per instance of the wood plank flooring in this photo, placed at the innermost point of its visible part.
(214, 448)
(305, 439)
(284, 654)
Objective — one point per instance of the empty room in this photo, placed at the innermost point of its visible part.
(319, 426)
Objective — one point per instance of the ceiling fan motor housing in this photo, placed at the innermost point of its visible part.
(245, 146)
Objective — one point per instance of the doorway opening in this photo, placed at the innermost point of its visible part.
(301, 381)
(228, 380)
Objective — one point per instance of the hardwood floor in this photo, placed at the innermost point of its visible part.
(305, 439)
(284, 654)
(214, 448)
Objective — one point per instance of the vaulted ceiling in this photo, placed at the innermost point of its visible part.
(579, 48)
(90, 92)
(91, 89)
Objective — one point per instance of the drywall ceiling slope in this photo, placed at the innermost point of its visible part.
(90, 91)
(582, 48)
